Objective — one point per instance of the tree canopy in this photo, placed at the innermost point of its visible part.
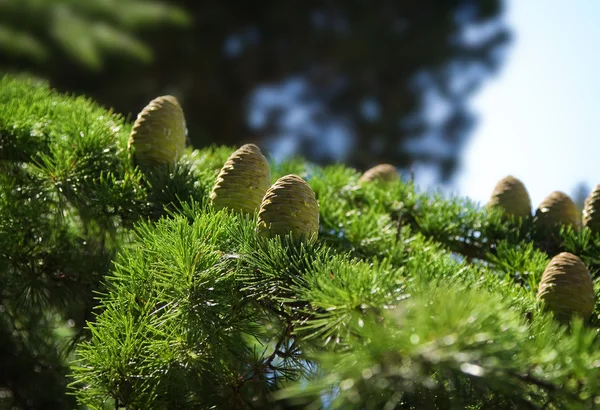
(354, 81)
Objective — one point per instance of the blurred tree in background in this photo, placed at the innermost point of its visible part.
(41, 34)
(354, 81)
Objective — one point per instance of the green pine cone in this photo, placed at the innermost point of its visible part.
(289, 206)
(243, 181)
(381, 172)
(566, 287)
(591, 210)
(511, 195)
(557, 209)
(159, 134)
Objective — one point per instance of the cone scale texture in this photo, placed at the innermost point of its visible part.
(557, 209)
(243, 181)
(566, 287)
(289, 206)
(381, 172)
(159, 134)
(511, 196)
(591, 210)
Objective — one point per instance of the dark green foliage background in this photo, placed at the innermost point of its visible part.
(393, 55)
(137, 294)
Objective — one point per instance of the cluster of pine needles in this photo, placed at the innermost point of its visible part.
(145, 296)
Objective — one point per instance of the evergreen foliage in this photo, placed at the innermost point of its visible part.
(84, 31)
(297, 69)
(147, 297)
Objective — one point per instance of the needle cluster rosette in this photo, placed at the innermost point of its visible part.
(591, 210)
(243, 181)
(566, 287)
(380, 173)
(512, 197)
(557, 209)
(289, 207)
(158, 135)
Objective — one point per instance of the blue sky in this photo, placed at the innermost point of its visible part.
(539, 119)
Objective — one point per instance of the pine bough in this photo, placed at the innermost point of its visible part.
(146, 295)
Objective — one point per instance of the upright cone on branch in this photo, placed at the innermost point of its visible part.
(557, 209)
(243, 180)
(158, 135)
(381, 172)
(511, 196)
(591, 210)
(566, 287)
(289, 206)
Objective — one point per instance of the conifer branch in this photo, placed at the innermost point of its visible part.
(406, 299)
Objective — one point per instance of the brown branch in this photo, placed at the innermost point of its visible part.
(277, 352)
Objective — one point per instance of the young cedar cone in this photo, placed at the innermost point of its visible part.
(381, 172)
(511, 196)
(289, 206)
(243, 180)
(158, 135)
(591, 210)
(557, 209)
(566, 287)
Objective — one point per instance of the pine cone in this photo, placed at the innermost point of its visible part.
(566, 287)
(557, 209)
(289, 206)
(243, 180)
(591, 210)
(381, 172)
(511, 195)
(159, 134)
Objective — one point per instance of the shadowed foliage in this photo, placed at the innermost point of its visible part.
(355, 81)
